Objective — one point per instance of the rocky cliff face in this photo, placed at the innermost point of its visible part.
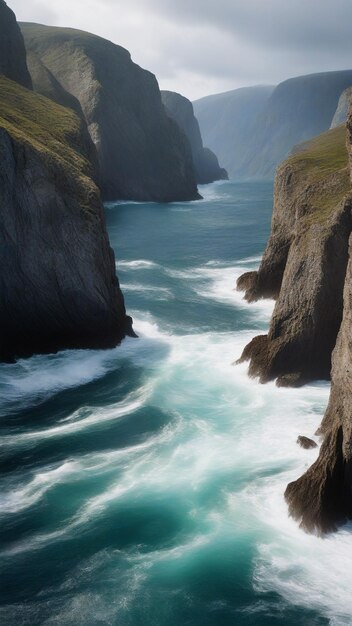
(308, 267)
(341, 113)
(57, 282)
(322, 497)
(206, 163)
(142, 153)
(49, 86)
(12, 50)
(304, 265)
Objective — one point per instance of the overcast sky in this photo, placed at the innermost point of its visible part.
(198, 47)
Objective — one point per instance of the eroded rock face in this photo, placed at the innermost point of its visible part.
(266, 283)
(142, 153)
(12, 51)
(304, 265)
(58, 286)
(206, 164)
(321, 499)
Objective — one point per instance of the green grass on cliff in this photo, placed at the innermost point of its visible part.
(322, 163)
(323, 154)
(49, 128)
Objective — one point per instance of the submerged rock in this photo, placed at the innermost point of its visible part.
(206, 164)
(306, 443)
(142, 153)
(58, 286)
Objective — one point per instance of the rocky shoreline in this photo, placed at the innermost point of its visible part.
(307, 268)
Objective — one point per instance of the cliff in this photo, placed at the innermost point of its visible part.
(57, 282)
(49, 86)
(304, 265)
(226, 122)
(341, 113)
(142, 153)
(322, 498)
(297, 110)
(12, 51)
(206, 163)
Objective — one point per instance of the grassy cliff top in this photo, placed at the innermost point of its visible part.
(322, 155)
(52, 130)
(321, 165)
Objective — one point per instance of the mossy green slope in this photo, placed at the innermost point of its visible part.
(323, 154)
(52, 130)
(321, 165)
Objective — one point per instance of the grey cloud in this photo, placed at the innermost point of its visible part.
(282, 23)
(197, 47)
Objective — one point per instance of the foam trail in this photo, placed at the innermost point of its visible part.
(137, 264)
(84, 417)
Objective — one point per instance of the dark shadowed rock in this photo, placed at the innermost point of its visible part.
(12, 51)
(206, 164)
(142, 153)
(58, 286)
(306, 443)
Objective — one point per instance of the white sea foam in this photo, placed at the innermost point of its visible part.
(42, 376)
(159, 293)
(217, 281)
(137, 264)
(223, 427)
(83, 418)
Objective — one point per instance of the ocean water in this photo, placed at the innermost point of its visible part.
(144, 485)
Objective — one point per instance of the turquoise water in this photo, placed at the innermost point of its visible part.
(143, 485)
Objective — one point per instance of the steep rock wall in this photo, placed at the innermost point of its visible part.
(304, 265)
(58, 286)
(321, 499)
(142, 153)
